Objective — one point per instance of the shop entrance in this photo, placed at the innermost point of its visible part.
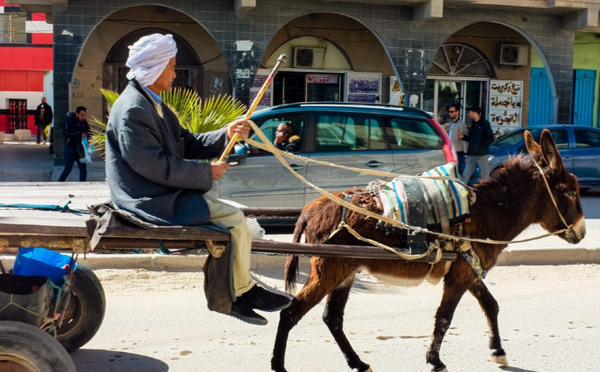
(440, 93)
(289, 87)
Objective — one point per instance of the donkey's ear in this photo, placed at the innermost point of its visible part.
(534, 149)
(549, 150)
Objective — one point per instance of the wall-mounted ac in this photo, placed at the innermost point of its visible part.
(305, 57)
(513, 54)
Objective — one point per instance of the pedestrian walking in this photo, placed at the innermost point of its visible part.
(458, 127)
(76, 129)
(480, 136)
(43, 118)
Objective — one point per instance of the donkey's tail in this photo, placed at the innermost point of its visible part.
(291, 265)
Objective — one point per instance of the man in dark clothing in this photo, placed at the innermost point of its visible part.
(43, 118)
(480, 137)
(285, 139)
(76, 128)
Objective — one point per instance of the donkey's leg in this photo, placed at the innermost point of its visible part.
(321, 281)
(453, 292)
(333, 316)
(489, 305)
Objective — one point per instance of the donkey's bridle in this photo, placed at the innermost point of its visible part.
(568, 227)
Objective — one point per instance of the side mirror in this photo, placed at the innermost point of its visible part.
(240, 152)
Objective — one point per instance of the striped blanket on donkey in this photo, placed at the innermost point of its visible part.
(419, 201)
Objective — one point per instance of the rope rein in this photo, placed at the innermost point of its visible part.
(268, 146)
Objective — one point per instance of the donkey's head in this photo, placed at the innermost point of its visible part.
(562, 206)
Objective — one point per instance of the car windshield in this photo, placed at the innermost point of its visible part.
(509, 139)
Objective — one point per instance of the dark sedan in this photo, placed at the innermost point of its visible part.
(578, 145)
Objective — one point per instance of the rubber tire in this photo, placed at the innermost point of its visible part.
(85, 311)
(24, 347)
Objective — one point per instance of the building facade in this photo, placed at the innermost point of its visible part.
(422, 53)
(26, 66)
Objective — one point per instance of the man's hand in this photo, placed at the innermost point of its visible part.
(218, 169)
(241, 127)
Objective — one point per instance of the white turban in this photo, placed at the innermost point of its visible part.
(149, 56)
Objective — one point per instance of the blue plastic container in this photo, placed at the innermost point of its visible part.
(43, 262)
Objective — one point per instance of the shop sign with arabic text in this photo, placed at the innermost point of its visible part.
(505, 105)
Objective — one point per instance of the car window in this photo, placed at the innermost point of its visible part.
(587, 138)
(509, 139)
(349, 132)
(561, 138)
(269, 127)
(413, 134)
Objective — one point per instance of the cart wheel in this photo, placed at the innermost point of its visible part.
(25, 348)
(85, 310)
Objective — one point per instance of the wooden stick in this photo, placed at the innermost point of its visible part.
(261, 92)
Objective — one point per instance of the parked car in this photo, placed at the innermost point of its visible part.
(579, 147)
(382, 137)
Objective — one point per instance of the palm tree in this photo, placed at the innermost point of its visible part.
(194, 114)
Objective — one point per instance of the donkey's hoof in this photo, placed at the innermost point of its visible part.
(499, 356)
(501, 359)
(440, 369)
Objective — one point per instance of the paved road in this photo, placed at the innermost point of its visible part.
(158, 322)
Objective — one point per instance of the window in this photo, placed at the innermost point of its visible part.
(413, 134)
(269, 127)
(587, 138)
(561, 138)
(12, 28)
(349, 133)
(335, 133)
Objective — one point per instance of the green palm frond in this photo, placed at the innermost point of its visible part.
(183, 102)
(194, 114)
(218, 111)
(97, 126)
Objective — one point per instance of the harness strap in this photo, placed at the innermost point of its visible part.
(468, 254)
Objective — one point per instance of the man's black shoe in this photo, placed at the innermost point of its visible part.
(242, 310)
(261, 299)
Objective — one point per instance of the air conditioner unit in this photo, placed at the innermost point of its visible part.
(308, 57)
(513, 54)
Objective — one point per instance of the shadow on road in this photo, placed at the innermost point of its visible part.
(515, 369)
(89, 360)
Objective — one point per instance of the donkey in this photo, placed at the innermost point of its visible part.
(515, 197)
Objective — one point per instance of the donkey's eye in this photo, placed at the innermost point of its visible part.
(572, 194)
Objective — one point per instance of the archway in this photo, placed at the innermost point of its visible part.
(484, 64)
(102, 58)
(323, 61)
(459, 74)
(188, 66)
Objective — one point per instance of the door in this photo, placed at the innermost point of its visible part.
(540, 98)
(583, 97)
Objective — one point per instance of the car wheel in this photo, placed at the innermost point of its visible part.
(25, 348)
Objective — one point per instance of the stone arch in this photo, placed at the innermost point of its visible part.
(354, 46)
(201, 53)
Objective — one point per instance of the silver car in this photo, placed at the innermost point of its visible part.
(386, 138)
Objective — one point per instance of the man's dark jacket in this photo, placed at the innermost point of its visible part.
(48, 115)
(74, 129)
(146, 167)
(480, 137)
